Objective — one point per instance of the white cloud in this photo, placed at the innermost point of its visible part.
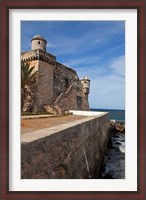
(108, 91)
(84, 61)
(118, 66)
(50, 45)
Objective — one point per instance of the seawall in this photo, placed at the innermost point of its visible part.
(68, 151)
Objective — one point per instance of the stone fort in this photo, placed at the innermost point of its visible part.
(59, 88)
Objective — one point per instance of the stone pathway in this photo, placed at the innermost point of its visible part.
(33, 123)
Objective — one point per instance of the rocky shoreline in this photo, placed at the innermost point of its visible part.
(113, 165)
(117, 126)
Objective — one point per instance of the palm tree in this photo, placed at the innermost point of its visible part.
(29, 79)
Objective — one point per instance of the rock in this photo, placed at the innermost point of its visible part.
(118, 143)
(27, 100)
(117, 149)
(112, 122)
(116, 126)
(120, 127)
(108, 176)
(116, 136)
(110, 144)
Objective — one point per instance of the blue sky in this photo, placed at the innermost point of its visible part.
(93, 48)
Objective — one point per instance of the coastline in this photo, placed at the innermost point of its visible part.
(113, 164)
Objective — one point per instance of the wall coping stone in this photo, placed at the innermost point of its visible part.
(86, 113)
(42, 133)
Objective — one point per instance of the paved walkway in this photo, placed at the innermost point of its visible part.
(42, 133)
(33, 123)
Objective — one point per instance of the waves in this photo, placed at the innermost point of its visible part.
(113, 165)
(122, 147)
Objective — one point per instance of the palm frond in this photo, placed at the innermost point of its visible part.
(29, 78)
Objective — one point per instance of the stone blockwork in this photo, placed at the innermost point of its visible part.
(45, 83)
(63, 78)
(73, 152)
(66, 101)
(56, 80)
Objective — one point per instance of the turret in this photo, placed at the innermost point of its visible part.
(86, 85)
(38, 42)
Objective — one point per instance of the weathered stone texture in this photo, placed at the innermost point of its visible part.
(72, 99)
(37, 54)
(75, 152)
(56, 80)
(63, 78)
(36, 45)
(45, 83)
(38, 42)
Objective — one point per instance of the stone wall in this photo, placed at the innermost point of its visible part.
(37, 55)
(63, 78)
(73, 98)
(56, 79)
(45, 83)
(73, 152)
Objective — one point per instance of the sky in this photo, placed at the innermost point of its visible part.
(95, 49)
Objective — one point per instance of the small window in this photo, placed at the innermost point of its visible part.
(38, 42)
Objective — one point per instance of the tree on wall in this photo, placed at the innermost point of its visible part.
(29, 79)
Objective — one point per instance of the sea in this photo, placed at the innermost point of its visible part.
(113, 165)
(118, 115)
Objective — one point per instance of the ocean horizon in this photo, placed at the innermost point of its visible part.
(115, 114)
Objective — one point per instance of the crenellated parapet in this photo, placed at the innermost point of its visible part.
(38, 55)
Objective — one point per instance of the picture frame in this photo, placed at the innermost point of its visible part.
(5, 104)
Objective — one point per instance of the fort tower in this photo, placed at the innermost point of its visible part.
(86, 85)
(59, 88)
(38, 42)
